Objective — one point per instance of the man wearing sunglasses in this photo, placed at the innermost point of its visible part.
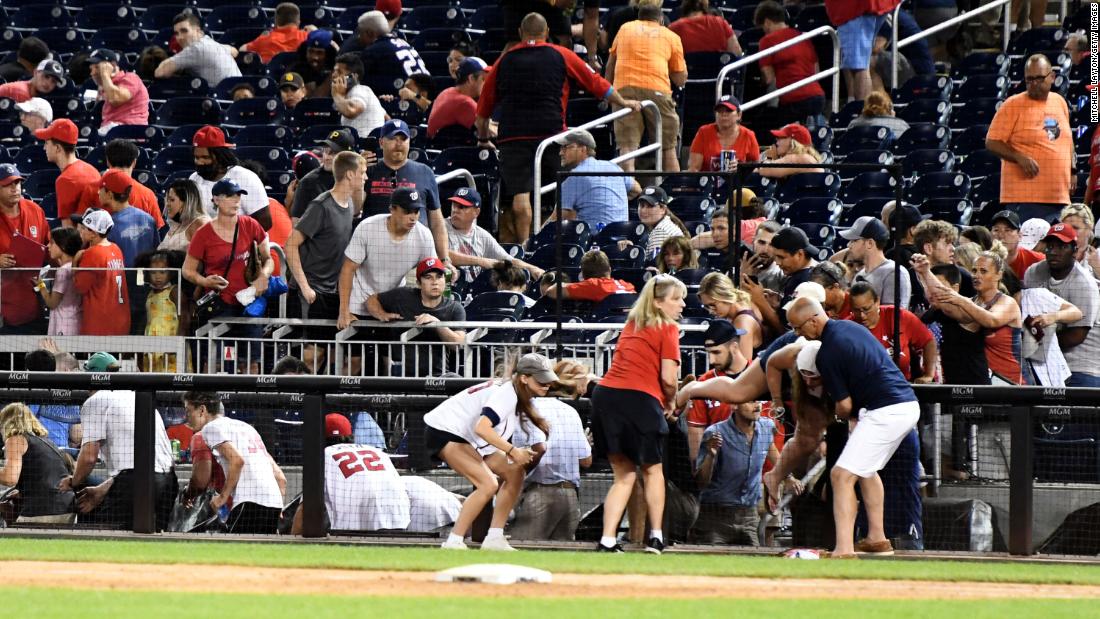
(1031, 135)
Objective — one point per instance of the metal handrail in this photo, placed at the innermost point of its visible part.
(897, 45)
(457, 173)
(834, 71)
(536, 199)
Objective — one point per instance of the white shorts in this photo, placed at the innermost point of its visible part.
(877, 436)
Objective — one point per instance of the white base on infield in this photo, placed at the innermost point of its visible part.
(494, 574)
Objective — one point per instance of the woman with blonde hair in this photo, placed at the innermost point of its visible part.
(677, 254)
(1079, 217)
(878, 111)
(724, 300)
(793, 144)
(34, 467)
(632, 403)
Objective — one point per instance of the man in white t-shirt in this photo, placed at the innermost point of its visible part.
(107, 420)
(383, 249)
(469, 244)
(215, 160)
(357, 104)
(201, 54)
(254, 483)
(431, 506)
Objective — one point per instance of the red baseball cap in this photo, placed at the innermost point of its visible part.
(1063, 232)
(61, 130)
(389, 8)
(429, 264)
(337, 425)
(116, 181)
(796, 132)
(210, 137)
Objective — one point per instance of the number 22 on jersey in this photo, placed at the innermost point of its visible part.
(352, 462)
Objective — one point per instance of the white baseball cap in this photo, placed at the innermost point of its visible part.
(806, 361)
(810, 290)
(37, 105)
(1032, 231)
(98, 221)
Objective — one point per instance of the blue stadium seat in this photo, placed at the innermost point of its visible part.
(821, 235)
(952, 210)
(182, 135)
(934, 111)
(823, 138)
(496, 305)
(435, 15)
(127, 40)
(486, 17)
(808, 185)
(264, 135)
(980, 164)
(981, 86)
(159, 16)
(254, 111)
(631, 257)
(939, 185)
(863, 137)
(48, 204)
(977, 63)
(312, 112)
(921, 87)
(40, 183)
(440, 38)
(987, 193)
(573, 232)
(618, 304)
(63, 42)
(692, 207)
(923, 161)
(281, 62)
(263, 85)
(762, 186)
(106, 15)
(869, 185)
(32, 18)
(228, 16)
(847, 113)
(970, 140)
(881, 157)
(30, 158)
(812, 210)
(677, 184)
(922, 136)
(691, 278)
(189, 111)
(319, 15)
(347, 22)
(14, 135)
(405, 110)
(173, 159)
(1036, 40)
(866, 207)
(633, 231)
(636, 277)
(272, 157)
(240, 35)
(176, 87)
(545, 257)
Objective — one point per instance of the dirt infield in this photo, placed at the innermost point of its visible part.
(257, 580)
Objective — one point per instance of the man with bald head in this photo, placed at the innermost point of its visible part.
(1031, 135)
(859, 376)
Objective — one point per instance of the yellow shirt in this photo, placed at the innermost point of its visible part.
(645, 53)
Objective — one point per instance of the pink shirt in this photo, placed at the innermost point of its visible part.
(451, 107)
(133, 112)
(65, 318)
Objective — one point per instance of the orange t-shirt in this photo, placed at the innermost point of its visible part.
(70, 186)
(1024, 259)
(281, 227)
(638, 355)
(645, 53)
(105, 299)
(281, 39)
(707, 144)
(20, 303)
(596, 289)
(1040, 130)
(141, 197)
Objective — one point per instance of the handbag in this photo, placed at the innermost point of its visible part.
(211, 304)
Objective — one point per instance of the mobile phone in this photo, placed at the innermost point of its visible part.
(370, 143)
(754, 279)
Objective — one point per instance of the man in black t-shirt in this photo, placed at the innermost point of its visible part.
(321, 180)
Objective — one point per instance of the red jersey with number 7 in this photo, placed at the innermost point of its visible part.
(105, 300)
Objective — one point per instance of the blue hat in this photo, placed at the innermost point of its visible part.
(721, 331)
(395, 126)
(407, 198)
(226, 187)
(319, 38)
(469, 66)
(9, 174)
(467, 196)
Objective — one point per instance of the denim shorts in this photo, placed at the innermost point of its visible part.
(856, 39)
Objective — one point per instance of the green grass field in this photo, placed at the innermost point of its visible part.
(63, 602)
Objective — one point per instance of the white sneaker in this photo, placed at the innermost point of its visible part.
(497, 543)
(449, 545)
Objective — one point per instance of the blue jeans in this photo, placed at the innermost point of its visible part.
(1039, 210)
(1077, 379)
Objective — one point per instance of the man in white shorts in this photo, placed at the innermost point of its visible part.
(860, 377)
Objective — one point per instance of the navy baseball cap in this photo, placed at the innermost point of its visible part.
(226, 187)
(471, 65)
(467, 196)
(407, 198)
(103, 55)
(721, 331)
(728, 102)
(9, 174)
(395, 126)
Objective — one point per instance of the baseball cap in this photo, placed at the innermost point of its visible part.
(319, 38)
(791, 240)
(537, 367)
(796, 132)
(210, 137)
(719, 332)
(304, 162)
(1032, 231)
(578, 136)
(808, 290)
(337, 425)
(339, 140)
(907, 216)
(747, 196)
(61, 130)
(806, 361)
(36, 105)
(728, 102)
(53, 68)
(1062, 232)
(389, 8)
(226, 187)
(654, 195)
(429, 264)
(395, 126)
(101, 362)
(866, 227)
(98, 221)
(103, 55)
(9, 174)
(471, 65)
(467, 196)
(291, 80)
(407, 198)
(116, 181)
(1011, 217)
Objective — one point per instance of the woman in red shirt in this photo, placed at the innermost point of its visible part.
(701, 30)
(632, 402)
(725, 133)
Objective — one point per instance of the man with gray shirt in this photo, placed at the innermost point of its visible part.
(201, 54)
(1061, 274)
(469, 244)
(321, 180)
(867, 238)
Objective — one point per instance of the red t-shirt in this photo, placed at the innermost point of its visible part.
(705, 413)
(281, 39)
(914, 335)
(1024, 258)
(16, 91)
(703, 33)
(451, 107)
(105, 299)
(141, 197)
(201, 452)
(596, 289)
(135, 111)
(70, 186)
(792, 64)
(638, 355)
(20, 303)
(707, 144)
(213, 252)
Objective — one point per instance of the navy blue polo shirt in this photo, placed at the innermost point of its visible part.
(853, 364)
(778, 343)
